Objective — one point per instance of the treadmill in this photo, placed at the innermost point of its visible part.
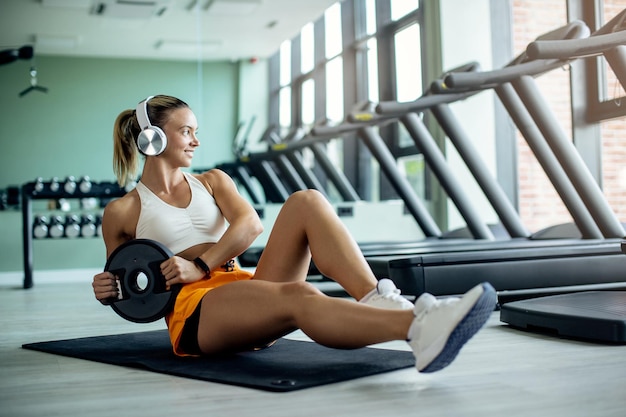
(521, 264)
(598, 316)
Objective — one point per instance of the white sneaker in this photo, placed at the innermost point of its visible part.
(442, 327)
(386, 295)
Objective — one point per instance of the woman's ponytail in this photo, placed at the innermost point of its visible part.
(125, 152)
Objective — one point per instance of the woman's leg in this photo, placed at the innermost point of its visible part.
(246, 314)
(308, 226)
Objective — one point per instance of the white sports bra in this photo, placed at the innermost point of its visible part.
(180, 228)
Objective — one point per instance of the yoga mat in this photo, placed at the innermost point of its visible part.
(286, 366)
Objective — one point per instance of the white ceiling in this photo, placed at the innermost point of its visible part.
(155, 29)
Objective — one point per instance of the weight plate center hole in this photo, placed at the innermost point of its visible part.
(141, 282)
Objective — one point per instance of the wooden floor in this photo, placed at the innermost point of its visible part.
(501, 372)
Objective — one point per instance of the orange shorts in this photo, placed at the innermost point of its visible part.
(191, 295)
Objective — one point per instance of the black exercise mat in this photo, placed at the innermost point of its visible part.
(286, 366)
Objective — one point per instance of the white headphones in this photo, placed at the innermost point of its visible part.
(151, 141)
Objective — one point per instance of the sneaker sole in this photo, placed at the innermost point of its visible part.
(473, 321)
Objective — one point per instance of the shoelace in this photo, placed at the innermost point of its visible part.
(391, 295)
(435, 305)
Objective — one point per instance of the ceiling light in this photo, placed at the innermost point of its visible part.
(188, 47)
(56, 41)
(69, 4)
(130, 9)
(232, 7)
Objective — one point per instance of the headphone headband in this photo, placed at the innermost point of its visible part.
(142, 114)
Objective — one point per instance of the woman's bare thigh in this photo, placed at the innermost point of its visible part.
(286, 256)
(247, 314)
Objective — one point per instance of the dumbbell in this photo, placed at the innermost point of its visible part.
(88, 225)
(72, 226)
(70, 185)
(84, 186)
(89, 203)
(143, 295)
(54, 184)
(40, 227)
(39, 185)
(56, 226)
(62, 204)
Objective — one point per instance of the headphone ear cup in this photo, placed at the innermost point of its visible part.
(151, 141)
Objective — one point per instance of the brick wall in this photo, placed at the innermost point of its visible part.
(540, 205)
(614, 136)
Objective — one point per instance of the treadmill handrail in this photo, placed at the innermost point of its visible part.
(576, 48)
(612, 34)
(488, 79)
(521, 65)
(420, 104)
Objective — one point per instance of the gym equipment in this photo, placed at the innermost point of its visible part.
(435, 160)
(353, 212)
(54, 185)
(56, 227)
(70, 185)
(85, 184)
(379, 150)
(88, 225)
(141, 302)
(72, 226)
(40, 227)
(39, 184)
(151, 141)
(53, 190)
(591, 315)
(287, 366)
(280, 170)
(520, 263)
(62, 204)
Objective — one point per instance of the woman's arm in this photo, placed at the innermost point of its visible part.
(119, 221)
(244, 223)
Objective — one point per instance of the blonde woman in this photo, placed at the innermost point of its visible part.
(207, 224)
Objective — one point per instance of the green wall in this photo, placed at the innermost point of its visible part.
(68, 131)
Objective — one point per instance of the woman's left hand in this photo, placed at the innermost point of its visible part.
(177, 270)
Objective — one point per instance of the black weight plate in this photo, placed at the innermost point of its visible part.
(141, 302)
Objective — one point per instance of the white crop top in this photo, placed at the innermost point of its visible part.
(180, 228)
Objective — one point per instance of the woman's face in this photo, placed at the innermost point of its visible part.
(180, 129)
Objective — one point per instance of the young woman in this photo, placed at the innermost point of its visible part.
(207, 224)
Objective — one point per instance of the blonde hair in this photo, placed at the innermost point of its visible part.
(126, 129)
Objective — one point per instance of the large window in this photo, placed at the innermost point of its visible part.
(334, 90)
(408, 63)
(333, 78)
(284, 100)
(307, 47)
(332, 24)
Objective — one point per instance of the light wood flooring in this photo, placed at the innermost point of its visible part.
(500, 372)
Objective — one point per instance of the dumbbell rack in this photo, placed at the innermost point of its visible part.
(39, 190)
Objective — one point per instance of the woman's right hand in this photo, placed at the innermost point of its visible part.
(105, 287)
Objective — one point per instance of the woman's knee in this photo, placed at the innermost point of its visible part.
(307, 199)
(297, 290)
